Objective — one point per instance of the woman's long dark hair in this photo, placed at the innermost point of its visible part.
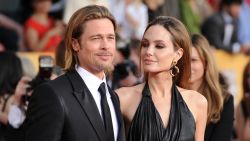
(10, 72)
(246, 73)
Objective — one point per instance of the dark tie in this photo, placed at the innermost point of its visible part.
(107, 120)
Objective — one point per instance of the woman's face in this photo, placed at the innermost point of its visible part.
(157, 50)
(42, 6)
(197, 67)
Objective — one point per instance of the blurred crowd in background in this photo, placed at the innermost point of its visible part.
(39, 25)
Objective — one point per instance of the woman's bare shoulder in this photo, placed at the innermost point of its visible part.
(129, 91)
(195, 101)
(129, 99)
(193, 96)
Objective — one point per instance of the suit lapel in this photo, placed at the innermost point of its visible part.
(87, 102)
(116, 103)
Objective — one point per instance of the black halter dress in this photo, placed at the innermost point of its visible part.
(147, 124)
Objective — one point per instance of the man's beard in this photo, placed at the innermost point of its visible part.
(107, 68)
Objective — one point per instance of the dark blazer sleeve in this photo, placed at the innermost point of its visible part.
(222, 131)
(45, 115)
(213, 30)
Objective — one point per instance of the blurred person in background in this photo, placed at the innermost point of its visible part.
(126, 13)
(41, 32)
(126, 70)
(123, 51)
(13, 87)
(154, 8)
(244, 28)
(135, 51)
(221, 29)
(57, 9)
(190, 15)
(11, 34)
(242, 124)
(72, 5)
(193, 13)
(125, 75)
(170, 8)
(205, 80)
(214, 4)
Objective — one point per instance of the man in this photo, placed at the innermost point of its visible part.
(73, 107)
(221, 28)
(244, 28)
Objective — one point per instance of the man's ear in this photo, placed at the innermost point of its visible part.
(179, 54)
(75, 45)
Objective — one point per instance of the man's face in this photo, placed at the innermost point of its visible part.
(96, 46)
(234, 10)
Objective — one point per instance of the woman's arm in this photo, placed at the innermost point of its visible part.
(36, 44)
(239, 122)
(201, 118)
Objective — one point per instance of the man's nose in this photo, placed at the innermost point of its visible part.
(105, 43)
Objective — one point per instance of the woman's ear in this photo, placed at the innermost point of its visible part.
(178, 54)
(75, 45)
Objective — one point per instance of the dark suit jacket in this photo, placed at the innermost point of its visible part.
(64, 110)
(213, 29)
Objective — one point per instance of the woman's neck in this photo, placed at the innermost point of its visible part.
(160, 84)
(40, 15)
(195, 85)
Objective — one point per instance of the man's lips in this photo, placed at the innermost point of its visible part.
(104, 56)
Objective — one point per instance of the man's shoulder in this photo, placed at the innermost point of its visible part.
(216, 18)
(61, 80)
(59, 84)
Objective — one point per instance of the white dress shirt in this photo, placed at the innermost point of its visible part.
(93, 84)
(228, 32)
(16, 116)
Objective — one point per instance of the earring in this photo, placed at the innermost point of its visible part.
(75, 50)
(174, 70)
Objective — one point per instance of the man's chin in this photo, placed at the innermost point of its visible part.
(108, 69)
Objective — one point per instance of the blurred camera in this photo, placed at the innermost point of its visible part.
(46, 64)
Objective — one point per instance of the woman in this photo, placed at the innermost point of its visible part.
(12, 87)
(205, 79)
(243, 109)
(42, 33)
(161, 108)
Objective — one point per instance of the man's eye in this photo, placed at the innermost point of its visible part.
(95, 38)
(111, 38)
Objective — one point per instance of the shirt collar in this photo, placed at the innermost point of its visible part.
(90, 79)
(227, 18)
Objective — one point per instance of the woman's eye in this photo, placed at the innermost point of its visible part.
(144, 44)
(159, 46)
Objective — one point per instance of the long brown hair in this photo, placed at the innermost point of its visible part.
(75, 29)
(210, 86)
(246, 75)
(181, 39)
